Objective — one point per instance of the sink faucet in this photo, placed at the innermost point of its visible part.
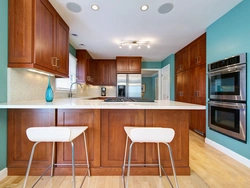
(70, 89)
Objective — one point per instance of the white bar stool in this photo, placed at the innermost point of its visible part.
(56, 134)
(148, 135)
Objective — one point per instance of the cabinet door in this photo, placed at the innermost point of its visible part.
(122, 64)
(134, 65)
(182, 86)
(45, 41)
(182, 60)
(198, 51)
(177, 120)
(113, 136)
(112, 72)
(90, 118)
(19, 146)
(198, 121)
(62, 50)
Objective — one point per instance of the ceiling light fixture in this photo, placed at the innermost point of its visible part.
(95, 7)
(130, 43)
(144, 7)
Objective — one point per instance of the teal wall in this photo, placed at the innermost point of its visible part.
(3, 83)
(230, 35)
(151, 65)
(149, 94)
(72, 50)
(170, 60)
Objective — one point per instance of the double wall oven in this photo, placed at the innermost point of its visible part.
(227, 97)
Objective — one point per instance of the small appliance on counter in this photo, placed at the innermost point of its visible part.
(103, 91)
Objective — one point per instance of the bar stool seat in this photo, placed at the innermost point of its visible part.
(56, 134)
(148, 135)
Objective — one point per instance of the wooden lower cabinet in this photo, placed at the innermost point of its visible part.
(105, 140)
(82, 117)
(113, 136)
(179, 121)
(19, 147)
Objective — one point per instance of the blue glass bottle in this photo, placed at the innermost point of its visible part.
(49, 95)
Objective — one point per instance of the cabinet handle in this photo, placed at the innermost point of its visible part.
(198, 93)
(53, 62)
(57, 62)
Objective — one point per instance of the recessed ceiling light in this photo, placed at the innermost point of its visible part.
(144, 7)
(73, 7)
(165, 8)
(95, 7)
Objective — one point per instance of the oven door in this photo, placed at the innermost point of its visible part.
(228, 84)
(228, 118)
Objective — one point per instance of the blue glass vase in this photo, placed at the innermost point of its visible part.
(49, 95)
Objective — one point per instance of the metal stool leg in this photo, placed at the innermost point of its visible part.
(124, 161)
(172, 163)
(73, 164)
(29, 165)
(86, 152)
(52, 160)
(159, 158)
(129, 162)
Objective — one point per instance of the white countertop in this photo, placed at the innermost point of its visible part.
(83, 103)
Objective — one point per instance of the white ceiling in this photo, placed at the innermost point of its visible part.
(118, 20)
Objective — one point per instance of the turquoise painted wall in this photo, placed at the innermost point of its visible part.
(3, 83)
(149, 89)
(72, 50)
(151, 65)
(230, 35)
(170, 60)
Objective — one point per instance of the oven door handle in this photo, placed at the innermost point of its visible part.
(228, 105)
(226, 70)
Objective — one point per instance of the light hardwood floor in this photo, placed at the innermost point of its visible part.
(209, 169)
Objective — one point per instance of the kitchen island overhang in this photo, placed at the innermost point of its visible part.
(105, 136)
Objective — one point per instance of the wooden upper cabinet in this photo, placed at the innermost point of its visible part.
(128, 64)
(38, 37)
(182, 62)
(198, 51)
(104, 72)
(84, 67)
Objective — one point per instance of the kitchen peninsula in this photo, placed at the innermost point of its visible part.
(105, 135)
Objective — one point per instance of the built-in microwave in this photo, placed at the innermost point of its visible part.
(227, 79)
(228, 118)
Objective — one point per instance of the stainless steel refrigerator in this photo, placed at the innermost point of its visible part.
(128, 86)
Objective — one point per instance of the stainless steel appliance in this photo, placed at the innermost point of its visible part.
(103, 91)
(128, 85)
(228, 118)
(227, 94)
(227, 79)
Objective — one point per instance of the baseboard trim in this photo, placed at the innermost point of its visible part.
(228, 152)
(3, 173)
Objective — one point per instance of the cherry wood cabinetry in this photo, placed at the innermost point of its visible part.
(113, 136)
(182, 88)
(105, 72)
(38, 37)
(191, 81)
(182, 61)
(179, 121)
(19, 147)
(128, 64)
(198, 51)
(85, 67)
(73, 117)
(105, 140)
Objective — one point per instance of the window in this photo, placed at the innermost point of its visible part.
(63, 84)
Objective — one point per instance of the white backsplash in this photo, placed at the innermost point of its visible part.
(24, 85)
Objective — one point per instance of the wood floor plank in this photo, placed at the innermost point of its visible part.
(209, 169)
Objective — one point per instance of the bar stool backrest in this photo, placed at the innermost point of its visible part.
(48, 134)
(152, 134)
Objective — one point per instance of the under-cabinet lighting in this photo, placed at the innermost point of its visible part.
(40, 72)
